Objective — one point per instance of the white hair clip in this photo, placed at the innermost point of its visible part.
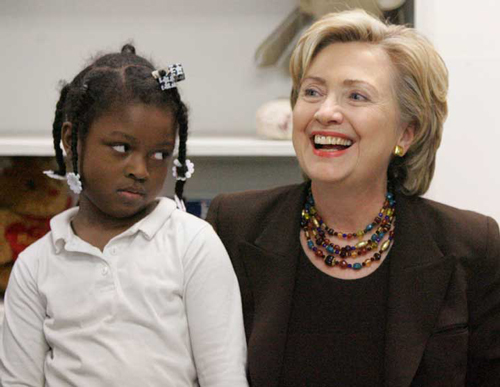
(54, 175)
(72, 179)
(168, 78)
(190, 169)
(74, 182)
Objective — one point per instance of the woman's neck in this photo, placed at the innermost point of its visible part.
(348, 208)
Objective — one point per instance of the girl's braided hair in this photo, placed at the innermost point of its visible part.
(110, 81)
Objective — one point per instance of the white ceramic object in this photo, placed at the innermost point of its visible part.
(274, 120)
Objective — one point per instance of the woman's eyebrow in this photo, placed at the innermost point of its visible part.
(313, 78)
(359, 82)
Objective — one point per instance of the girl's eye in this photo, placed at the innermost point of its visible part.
(121, 148)
(160, 155)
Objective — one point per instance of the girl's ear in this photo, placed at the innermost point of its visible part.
(66, 131)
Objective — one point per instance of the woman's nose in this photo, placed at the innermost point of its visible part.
(329, 113)
(137, 167)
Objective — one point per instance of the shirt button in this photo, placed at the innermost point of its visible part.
(105, 270)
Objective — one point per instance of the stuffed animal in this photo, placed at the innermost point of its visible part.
(28, 200)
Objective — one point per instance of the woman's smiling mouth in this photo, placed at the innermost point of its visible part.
(330, 145)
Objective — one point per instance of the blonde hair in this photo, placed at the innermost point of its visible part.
(421, 86)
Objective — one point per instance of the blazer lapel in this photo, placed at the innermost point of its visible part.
(271, 264)
(419, 277)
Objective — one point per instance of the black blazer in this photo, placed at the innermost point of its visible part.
(443, 317)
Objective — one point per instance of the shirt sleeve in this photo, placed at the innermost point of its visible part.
(213, 307)
(22, 343)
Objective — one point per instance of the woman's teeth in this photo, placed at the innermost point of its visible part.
(331, 140)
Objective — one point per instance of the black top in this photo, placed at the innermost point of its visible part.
(337, 329)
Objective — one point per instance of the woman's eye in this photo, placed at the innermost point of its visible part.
(121, 148)
(358, 97)
(311, 92)
(160, 155)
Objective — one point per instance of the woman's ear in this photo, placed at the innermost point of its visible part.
(407, 136)
(66, 132)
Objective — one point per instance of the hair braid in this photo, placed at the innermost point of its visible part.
(56, 130)
(82, 105)
(182, 121)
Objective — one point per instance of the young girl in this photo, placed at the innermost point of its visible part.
(126, 290)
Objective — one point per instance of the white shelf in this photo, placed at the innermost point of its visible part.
(197, 146)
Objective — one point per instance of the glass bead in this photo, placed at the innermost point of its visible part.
(354, 254)
(361, 244)
(329, 260)
(385, 246)
(368, 262)
(357, 266)
(330, 249)
(343, 264)
(319, 253)
(310, 244)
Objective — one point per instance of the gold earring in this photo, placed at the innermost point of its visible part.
(399, 151)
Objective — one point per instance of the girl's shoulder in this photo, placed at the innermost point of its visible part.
(35, 255)
(177, 223)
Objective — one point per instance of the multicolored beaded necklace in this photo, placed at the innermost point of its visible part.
(323, 248)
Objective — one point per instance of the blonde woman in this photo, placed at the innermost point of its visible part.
(351, 278)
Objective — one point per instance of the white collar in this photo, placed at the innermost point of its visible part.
(62, 232)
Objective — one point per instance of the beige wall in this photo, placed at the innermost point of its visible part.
(466, 34)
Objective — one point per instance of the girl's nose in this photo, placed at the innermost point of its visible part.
(137, 167)
(329, 113)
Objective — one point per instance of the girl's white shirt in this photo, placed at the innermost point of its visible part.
(160, 306)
